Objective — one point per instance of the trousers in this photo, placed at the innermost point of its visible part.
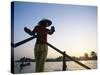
(40, 52)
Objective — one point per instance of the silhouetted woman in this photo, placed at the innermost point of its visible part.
(41, 48)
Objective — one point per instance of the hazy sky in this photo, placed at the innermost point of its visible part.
(75, 27)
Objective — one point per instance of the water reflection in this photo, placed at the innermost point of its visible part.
(83, 62)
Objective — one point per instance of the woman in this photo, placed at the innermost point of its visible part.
(41, 48)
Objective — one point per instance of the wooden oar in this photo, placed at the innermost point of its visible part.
(22, 42)
(68, 56)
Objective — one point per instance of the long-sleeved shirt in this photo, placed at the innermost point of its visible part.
(41, 33)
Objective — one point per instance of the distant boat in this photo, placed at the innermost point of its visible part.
(25, 64)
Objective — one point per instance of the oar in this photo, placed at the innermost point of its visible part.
(68, 56)
(22, 42)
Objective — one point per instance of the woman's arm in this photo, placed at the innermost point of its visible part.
(51, 31)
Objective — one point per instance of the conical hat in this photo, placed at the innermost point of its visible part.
(45, 21)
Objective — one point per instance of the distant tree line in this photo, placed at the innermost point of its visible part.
(92, 56)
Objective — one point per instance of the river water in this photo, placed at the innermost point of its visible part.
(54, 66)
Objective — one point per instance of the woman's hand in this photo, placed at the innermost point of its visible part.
(28, 31)
(53, 28)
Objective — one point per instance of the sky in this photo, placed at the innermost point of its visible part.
(75, 28)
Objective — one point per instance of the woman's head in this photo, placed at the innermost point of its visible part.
(45, 22)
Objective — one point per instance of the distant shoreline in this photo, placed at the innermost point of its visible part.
(53, 60)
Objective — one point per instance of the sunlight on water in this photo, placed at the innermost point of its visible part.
(82, 62)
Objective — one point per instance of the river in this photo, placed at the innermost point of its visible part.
(54, 66)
